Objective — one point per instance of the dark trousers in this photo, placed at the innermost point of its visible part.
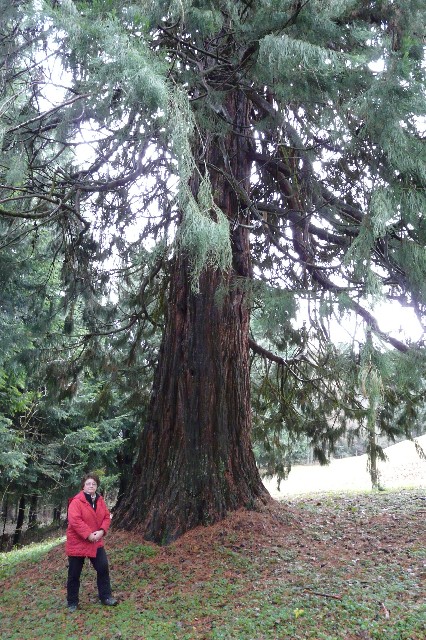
(75, 566)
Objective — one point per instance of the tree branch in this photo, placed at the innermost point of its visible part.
(261, 351)
(46, 113)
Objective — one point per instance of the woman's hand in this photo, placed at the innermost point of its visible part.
(97, 535)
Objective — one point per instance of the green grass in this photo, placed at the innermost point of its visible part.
(13, 560)
(337, 571)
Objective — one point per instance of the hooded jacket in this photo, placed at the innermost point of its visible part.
(83, 520)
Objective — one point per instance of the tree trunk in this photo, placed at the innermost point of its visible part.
(196, 461)
(32, 513)
(20, 521)
(372, 457)
(56, 517)
(125, 468)
(5, 510)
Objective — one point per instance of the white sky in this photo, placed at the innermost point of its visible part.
(392, 318)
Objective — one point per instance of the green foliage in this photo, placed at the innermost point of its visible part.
(315, 400)
(412, 258)
(204, 232)
(12, 458)
(203, 239)
(114, 58)
(275, 54)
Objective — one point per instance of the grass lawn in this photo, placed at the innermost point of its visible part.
(323, 567)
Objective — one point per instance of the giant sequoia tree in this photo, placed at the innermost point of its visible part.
(265, 148)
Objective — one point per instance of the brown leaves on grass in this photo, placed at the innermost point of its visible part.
(326, 532)
(301, 544)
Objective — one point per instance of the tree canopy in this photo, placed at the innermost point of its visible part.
(262, 158)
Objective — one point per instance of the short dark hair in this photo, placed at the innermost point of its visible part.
(93, 476)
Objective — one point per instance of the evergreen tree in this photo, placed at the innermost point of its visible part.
(271, 141)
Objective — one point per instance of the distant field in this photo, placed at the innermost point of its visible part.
(404, 468)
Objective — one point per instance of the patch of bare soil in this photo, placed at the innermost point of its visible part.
(403, 468)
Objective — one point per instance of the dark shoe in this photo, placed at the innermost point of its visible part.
(72, 607)
(110, 602)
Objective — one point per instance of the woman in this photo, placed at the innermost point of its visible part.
(88, 523)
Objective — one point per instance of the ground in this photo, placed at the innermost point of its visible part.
(349, 566)
(316, 564)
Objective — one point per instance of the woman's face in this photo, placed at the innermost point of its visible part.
(90, 486)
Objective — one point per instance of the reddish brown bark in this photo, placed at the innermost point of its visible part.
(196, 462)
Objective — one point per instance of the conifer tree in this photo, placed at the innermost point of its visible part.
(269, 149)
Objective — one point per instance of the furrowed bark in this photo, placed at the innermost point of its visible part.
(196, 461)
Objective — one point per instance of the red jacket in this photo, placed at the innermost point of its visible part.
(82, 521)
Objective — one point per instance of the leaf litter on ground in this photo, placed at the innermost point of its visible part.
(325, 567)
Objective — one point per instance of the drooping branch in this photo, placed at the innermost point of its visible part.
(45, 114)
(273, 357)
(319, 277)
